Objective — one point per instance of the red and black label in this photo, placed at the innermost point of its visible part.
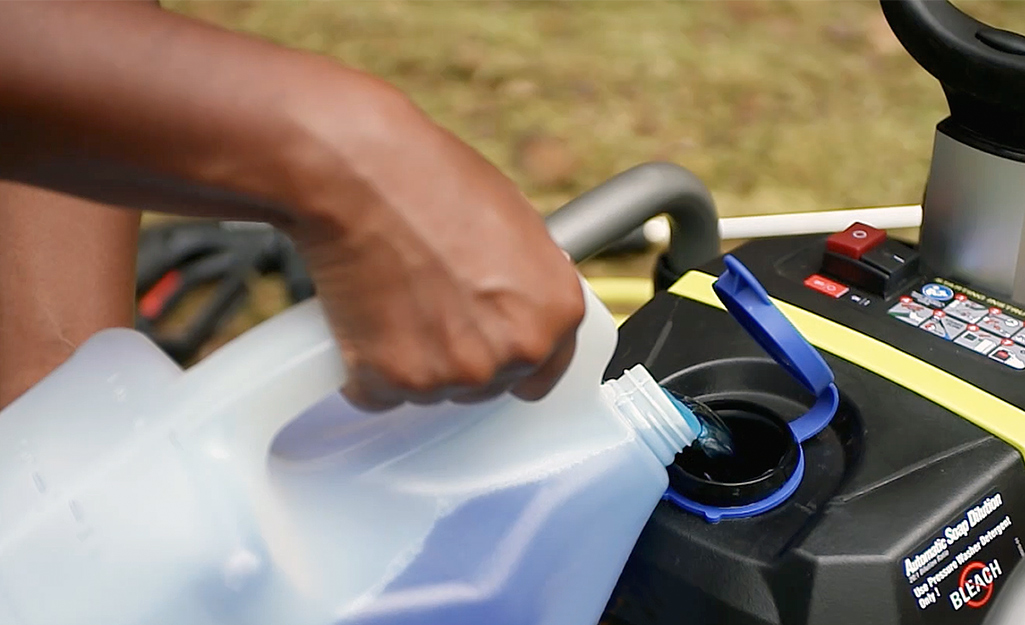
(955, 576)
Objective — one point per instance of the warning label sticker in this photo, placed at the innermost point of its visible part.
(958, 572)
(978, 341)
(966, 310)
(909, 311)
(1000, 324)
(984, 325)
(944, 326)
(1011, 354)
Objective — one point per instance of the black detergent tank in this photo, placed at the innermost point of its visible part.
(911, 507)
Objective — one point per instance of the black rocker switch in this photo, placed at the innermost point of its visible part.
(864, 257)
(898, 261)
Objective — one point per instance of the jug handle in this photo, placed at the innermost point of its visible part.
(262, 380)
(267, 377)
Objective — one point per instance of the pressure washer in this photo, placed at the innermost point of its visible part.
(912, 501)
(906, 506)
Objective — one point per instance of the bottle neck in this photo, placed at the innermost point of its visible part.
(642, 403)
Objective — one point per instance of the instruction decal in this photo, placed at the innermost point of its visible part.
(963, 293)
(982, 324)
(954, 577)
(909, 311)
(944, 326)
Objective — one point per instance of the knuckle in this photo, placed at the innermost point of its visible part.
(401, 375)
(532, 346)
(443, 374)
(415, 381)
(470, 362)
(474, 370)
(571, 310)
(569, 303)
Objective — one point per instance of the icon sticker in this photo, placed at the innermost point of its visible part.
(1000, 324)
(926, 301)
(909, 311)
(978, 341)
(966, 310)
(938, 292)
(1019, 337)
(944, 326)
(1012, 355)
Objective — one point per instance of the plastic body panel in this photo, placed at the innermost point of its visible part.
(891, 471)
(782, 264)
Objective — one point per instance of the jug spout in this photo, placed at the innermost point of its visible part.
(664, 428)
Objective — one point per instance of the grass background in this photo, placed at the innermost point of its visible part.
(777, 105)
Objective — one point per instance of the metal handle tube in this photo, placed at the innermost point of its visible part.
(588, 224)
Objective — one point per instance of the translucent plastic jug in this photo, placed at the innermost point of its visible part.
(245, 491)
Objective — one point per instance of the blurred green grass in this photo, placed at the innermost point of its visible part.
(777, 105)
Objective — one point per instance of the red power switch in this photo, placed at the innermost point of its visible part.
(855, 240)
(825, 285)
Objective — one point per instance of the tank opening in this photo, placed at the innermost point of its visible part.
(765, 455)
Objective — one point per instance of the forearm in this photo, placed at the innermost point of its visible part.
(128, 104)
(395, 217)
(68, 271)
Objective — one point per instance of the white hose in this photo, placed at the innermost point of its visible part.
(785, 224)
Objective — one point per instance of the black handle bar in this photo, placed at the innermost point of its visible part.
(981, 68)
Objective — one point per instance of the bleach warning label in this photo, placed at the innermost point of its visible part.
(955, 576)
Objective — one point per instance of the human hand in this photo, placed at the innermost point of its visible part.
(437, 275)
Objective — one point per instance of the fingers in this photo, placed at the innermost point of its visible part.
(372, 393)
(487, 393)
(376, 389)
(370, 397)
(536, 386)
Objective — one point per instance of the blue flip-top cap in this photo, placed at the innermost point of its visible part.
(746, 300)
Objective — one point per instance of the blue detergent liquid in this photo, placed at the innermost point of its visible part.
(714, 437)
